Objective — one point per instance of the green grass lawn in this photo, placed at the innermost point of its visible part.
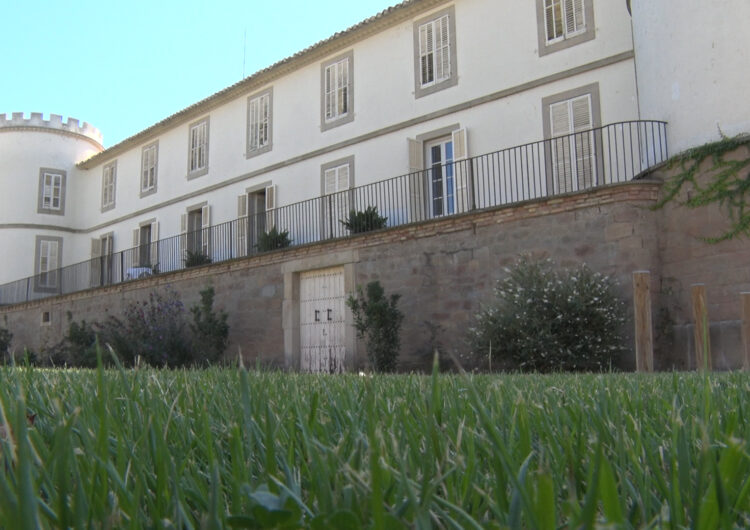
(230, 448)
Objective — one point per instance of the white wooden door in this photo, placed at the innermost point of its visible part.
(322, 325)
(442, 182)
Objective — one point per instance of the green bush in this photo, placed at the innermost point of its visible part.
(5, 339)
(77, 348)
(209, 329)
(543, 319)
(153, 329)
(378, 321)
(359, 222)
(273, 240)
(193, 259)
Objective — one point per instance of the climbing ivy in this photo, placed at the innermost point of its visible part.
(729, 185)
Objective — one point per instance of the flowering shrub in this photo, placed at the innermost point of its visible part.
(153, 329)
(547, 320)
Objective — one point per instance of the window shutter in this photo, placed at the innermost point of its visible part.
(581, 111)
(270, 197)
(462, 168)
(270, 206)
(154, 255)
(574, 16)
(460, 147)
(559, 119)
(205, 225)
(329, 178)
(416, 156)
(52, 263)
(242, 224)
(183, 234)
(96, 247)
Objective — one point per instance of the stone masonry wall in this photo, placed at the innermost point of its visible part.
(685, 259)
(444, 269)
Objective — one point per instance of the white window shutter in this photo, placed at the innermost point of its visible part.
(416, 156)
(154, 255)
(270, 197)
(460, 145)
(96, 247)
(205, 225)
(52, 261)
(183, 234)
(242, 224)
(560, 119)
(136, 237)
(581, 112)
(205, 216)
(329, 181)
(343, 178)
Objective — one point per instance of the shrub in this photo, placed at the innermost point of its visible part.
(273, 240)
(193, 259)
(5, 339)
(209, 328)
(77, 348)
(153, 329)
(378, 321)
(359, 222)
(547, 320)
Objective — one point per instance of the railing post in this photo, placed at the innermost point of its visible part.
(644, 344)
(702, 335)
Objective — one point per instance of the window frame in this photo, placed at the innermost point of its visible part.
(153, 146)
(420, 89)
(335, 229)
(339, 119)
(198, 171)
(592, 90)
(588, 33)
(109, 171)
(43, 172)
(47, 286)
(268, 146)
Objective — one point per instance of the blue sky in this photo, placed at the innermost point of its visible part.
(123, 66)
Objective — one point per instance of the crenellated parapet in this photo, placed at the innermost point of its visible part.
(55, 123)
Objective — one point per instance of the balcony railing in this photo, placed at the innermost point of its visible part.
(614, 153)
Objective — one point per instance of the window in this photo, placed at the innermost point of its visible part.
(571, 153)
(109, 185)
(337, 79)
(101, 263)
(51, 191)
(195, 230)
(145, 252)
(336, 178)
(149, 164)
(198, 149)
(259, 114)
(564, 23)
(435, 52)
(47, 263)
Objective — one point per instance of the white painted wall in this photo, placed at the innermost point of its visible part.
(692, 60)
(496, 45)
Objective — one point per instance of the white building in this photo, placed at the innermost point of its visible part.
(425, 89)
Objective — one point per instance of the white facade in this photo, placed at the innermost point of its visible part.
(355, 99)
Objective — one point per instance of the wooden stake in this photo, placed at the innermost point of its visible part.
(745, 299)
(702, 335)
(644, 342)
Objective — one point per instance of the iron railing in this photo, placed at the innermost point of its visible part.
(614, 153)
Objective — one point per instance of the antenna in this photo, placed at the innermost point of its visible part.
(244, 52)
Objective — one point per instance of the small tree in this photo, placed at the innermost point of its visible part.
(273, 240)
(193, 259)
(542, 319)
(210, 329)
(359, 222)
(378, 322)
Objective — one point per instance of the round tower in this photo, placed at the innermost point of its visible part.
(39, 184)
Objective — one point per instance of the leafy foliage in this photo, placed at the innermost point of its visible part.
(209, 329)
(542, 319)
(378, 321)
(273, 240)
(369, 219)
(5, 339)
(728, 185)
(77, 348)
(196, 258)
(152, 329)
